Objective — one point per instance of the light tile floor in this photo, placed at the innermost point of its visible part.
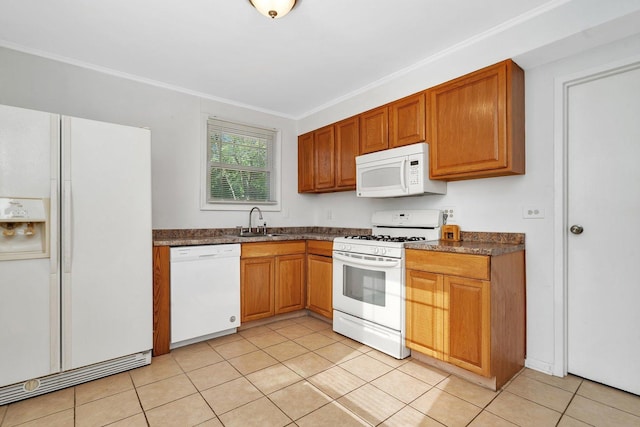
(298, 372)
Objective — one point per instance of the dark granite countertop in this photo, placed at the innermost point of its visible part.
(477, 243)
(216, 236)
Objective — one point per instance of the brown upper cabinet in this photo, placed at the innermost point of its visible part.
(399, 123)
(327, 158)
(306, 166)
(406, 120)
(324, 154)
(475, 124)
(374, 130)
(347, 140)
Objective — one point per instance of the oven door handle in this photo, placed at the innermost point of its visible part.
(367, 263)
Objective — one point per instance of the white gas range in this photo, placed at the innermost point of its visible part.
(369, 278)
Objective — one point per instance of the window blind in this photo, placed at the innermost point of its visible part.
(240, 163)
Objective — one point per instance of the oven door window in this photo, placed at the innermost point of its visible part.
(367, 286)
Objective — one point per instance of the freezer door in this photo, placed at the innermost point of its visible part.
(29, 288)
(106, 242)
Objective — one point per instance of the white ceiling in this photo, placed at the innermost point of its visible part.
(224, 49)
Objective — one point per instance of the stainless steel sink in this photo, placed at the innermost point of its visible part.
(257, 235)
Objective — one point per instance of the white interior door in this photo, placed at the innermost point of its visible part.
(107, 244)
(603, 131)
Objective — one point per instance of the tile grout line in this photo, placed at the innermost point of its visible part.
(498, 393)
(281, 362)
(345, 341)
(199, 392)
(605, 404)
(573, 396)
(334, 364)
(183, 372)
(306, 379)
(562, 414)
(75, 401)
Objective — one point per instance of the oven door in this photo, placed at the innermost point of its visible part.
(369, 287)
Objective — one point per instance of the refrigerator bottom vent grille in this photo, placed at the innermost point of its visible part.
(15, 392)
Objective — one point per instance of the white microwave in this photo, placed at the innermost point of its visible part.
(402, 171)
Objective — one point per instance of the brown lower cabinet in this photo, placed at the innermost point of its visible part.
(468, 311)
(272, 278)
(320, 277)
(257, 288)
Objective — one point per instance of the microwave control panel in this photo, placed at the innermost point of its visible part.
(414, 172)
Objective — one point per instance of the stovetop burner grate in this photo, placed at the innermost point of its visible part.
(386, 238)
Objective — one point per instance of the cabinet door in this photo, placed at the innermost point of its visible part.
(346, 149)
(290, 280)
(305, 163)
(467, 332)
(475, 125)
(257, 278)
(324, 148)
(374, 130)
(319, 285)
(406, 121)
(425, 313)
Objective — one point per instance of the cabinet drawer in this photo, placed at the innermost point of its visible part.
(464, 265)
(261, 249)
(320, 247)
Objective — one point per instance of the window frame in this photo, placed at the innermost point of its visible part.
(270, 206)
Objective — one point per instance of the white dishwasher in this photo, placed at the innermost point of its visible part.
(205, 292)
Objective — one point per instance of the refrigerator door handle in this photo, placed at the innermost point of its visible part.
(53, 228)
(66, 212)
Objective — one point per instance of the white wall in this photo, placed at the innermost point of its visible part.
(174, 118)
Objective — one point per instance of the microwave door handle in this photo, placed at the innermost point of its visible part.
(403, 175)
(366, 263)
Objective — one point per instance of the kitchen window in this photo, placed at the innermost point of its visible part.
(241, 167)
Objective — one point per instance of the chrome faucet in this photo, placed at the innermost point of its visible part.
(250, 217)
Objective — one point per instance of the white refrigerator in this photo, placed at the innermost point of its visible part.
(75, 251)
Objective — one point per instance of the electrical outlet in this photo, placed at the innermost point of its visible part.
(329, 214)
(532, 212)
(452, 214)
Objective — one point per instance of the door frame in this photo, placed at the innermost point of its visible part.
(561, 235)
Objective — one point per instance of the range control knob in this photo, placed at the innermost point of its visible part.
(383, 251)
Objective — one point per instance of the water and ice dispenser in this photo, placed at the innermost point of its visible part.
(24, 228)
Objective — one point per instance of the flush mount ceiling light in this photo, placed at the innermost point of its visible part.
(273, 8)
